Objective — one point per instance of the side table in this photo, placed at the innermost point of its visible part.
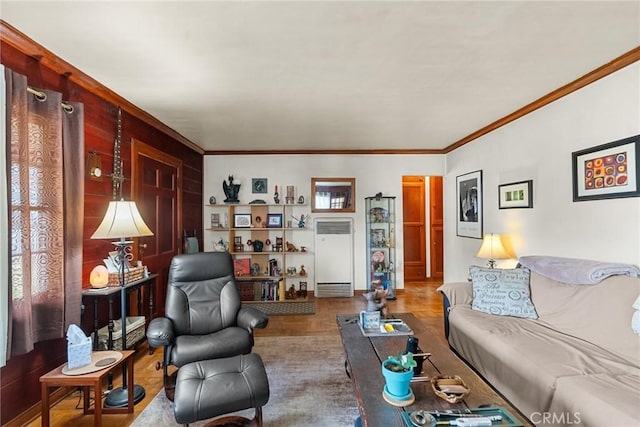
(110, 293)
(56, 378)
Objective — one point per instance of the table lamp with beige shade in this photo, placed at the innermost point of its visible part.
(492, 248)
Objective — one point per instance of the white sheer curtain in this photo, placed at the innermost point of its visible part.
(4, 232)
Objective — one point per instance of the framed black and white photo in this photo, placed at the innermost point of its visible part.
(274, 220)
(469, 205)
(607, 171)
(515, 195)
(242, 220)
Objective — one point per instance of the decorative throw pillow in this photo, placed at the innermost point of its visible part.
(504, 292)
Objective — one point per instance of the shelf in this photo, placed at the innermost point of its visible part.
(380, 235)
(223, 226)
(258, 253)
(256, 229)
(258, 278)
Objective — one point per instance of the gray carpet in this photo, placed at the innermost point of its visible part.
(307, 382)
(284, 308)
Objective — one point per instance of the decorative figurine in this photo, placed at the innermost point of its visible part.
(276, 196)
(301, 221)
(291, 293)
(289, 198)
(303, 272)
(231, 190)
(291, 247)
(221, 246)
(301, 200)
(377, 301)
(212, 200)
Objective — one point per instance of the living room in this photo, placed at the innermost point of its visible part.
(536, 146)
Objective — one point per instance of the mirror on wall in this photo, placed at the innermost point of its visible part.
(333, 194)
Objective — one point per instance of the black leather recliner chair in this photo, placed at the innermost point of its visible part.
(204, 318)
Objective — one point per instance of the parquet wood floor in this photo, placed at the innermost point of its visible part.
(419, 298)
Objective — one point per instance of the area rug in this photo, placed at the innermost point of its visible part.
(284, 308)
(307, 382)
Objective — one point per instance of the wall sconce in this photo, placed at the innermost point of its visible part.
(492, 249)
(94, 166)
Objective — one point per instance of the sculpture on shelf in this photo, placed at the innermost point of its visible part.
(231, 190)
(221, 246)
(276, 196)
(377, 301)
(291, 247)
(291, 293)
(302, 220)
(303, 272)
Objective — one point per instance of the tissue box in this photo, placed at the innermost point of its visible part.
(79, 355)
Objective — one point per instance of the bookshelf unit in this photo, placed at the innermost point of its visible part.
(268, 247)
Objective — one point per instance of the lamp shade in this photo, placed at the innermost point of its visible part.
(122, 220)
(492, 248)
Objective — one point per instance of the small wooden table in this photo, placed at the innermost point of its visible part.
(56, 378)
(364, 356)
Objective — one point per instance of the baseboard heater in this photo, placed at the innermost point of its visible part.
(334, 257)
(328, 290)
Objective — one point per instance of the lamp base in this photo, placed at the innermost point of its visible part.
(119, 397)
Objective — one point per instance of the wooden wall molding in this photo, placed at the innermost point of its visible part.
(29, 47)
(600, 72)
(314, 152)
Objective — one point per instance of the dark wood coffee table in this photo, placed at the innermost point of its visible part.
(364, 356)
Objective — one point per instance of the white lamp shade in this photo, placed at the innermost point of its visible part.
(492, 248)
(122, 220)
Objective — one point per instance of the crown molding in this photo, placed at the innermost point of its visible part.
(600, 72)
(31, 48)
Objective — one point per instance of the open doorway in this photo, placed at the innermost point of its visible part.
(422, 222)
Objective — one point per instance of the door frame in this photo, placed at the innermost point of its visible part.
(138, 147)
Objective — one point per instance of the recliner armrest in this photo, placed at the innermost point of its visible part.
(251, 318)
(160, 332)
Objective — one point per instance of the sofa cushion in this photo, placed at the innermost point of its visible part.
(600, 313)
(503, 292)
(595, 400)
(523, 358)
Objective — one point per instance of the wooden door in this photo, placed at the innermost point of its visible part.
(413, 226)
(436, 223)
(157, 189)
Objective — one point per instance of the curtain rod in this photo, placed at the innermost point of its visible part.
(41, 96)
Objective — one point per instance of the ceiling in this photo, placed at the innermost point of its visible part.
(330, 75)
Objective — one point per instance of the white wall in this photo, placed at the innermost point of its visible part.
(373, 174)
(539, 146)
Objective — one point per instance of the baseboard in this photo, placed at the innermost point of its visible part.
(35, 411)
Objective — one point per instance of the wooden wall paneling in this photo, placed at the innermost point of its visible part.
(19, 389)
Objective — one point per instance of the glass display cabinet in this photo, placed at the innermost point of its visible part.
(380, 230)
